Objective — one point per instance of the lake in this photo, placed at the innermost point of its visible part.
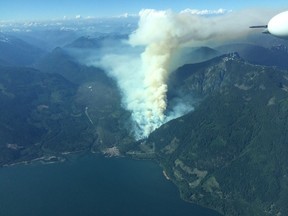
(92, 185)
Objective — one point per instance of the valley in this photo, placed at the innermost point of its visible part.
(228, 153)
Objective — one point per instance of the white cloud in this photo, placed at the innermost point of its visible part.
(127, 15)
(206, 11)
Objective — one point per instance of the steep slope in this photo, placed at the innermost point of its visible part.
(97, 93)
(230, 154)
(45, 114)
(61, 62)
(15, 51)
(34, 106)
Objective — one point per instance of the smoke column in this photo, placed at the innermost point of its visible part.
(161, 35)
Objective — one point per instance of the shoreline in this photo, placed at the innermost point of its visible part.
(63, 156)
(67, 156)
(48, 159)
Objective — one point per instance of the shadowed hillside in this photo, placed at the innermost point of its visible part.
(230, 154)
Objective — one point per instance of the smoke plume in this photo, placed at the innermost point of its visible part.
(160, 37)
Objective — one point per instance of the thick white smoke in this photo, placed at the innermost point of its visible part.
(161, 35)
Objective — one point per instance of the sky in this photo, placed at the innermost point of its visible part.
(22, 10)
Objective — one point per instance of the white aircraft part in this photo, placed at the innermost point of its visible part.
(278, 25)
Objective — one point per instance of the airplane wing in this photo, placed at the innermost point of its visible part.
(259, 26)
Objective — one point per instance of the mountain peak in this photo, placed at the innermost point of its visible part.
(234, 56)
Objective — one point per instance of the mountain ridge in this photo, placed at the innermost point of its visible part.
(17, 52)
(229, 154)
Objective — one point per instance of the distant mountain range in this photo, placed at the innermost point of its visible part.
(102, 40)
(273, 56)
(229, 154)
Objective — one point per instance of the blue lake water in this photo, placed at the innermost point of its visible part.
(92, 185)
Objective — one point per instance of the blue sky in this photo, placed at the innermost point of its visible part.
(11, 10)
